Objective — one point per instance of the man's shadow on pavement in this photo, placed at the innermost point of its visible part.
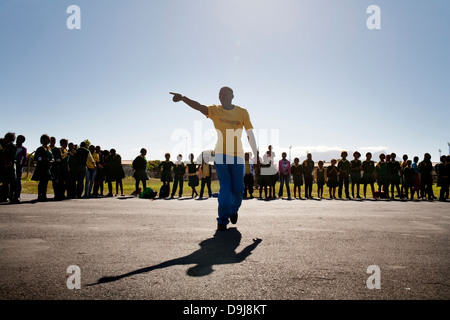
(220, 249)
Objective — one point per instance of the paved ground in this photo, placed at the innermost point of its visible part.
(129, 248)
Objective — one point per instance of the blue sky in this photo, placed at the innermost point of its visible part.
(310, 73)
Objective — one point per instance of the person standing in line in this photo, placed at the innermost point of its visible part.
(332, 178)
(308, 168)
(91, 171)
(64, 167)
(166, 175)
(56, 169)
(275, 176)
(248, 176)
(117, 170)
(100, 176)
(394, 171)
(229, 120)
(139, 166)
(284, 169)
(83, 156)
(355, 173)
(417, 182)
(402, 166)
(21, 162)
(205, 170)
(381, 174)
(264, 179)
(368, 167)
(408, 175)
(442, 172)
(73, 170)
(344, 172)
(193, 177)
(320, 176)
(9, 166)
(42, 173)
(297, 176)
(108, 169)
(179, 170)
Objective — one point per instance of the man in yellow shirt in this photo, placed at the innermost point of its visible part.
(228, 120)
(91, 172)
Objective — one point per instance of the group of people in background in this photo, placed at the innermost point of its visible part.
(81, 172)
(406, 178)
(75, 171)
(197, 173)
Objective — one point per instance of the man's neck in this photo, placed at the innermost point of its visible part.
(228, 106)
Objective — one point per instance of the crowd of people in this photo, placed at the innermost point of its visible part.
(407, 178)
(75, 171)
(81, 172)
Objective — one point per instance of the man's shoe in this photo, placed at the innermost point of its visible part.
(234, 218)
(221, 227)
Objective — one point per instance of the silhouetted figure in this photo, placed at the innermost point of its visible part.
(344, 173)
(220, 249)
(229, 121)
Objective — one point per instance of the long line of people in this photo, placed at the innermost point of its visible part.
(407, 178)
(75, 171)
(81, 171)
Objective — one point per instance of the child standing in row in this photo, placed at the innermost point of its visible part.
(297, 173)
(205, 170)
(332, 181)
(355, 173)
(193, 177)
(381, 172)
(394, 171)
(408, 175)
(308, 168)
(443, 173)
(284, 167)
(166, 175)
(344, 172)
(368, 167)
(264, 178)
(139, 166)
(43, 174)
(179, 170)
(321, 177)
(248, 176)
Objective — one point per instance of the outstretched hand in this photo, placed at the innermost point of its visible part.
(176, 97)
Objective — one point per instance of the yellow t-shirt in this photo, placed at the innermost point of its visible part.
(92, 160)
(229, 124)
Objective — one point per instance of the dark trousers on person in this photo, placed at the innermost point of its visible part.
(207, 181)
(284, 180)
(42, 189)
(81, 174)
(343, 183)
(248, 185)
(426, 186)
(18, 182)
(308, 185)
(10, 182)
(177, 182)
(443, 194)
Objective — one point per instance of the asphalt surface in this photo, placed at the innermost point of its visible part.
(130, 248)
